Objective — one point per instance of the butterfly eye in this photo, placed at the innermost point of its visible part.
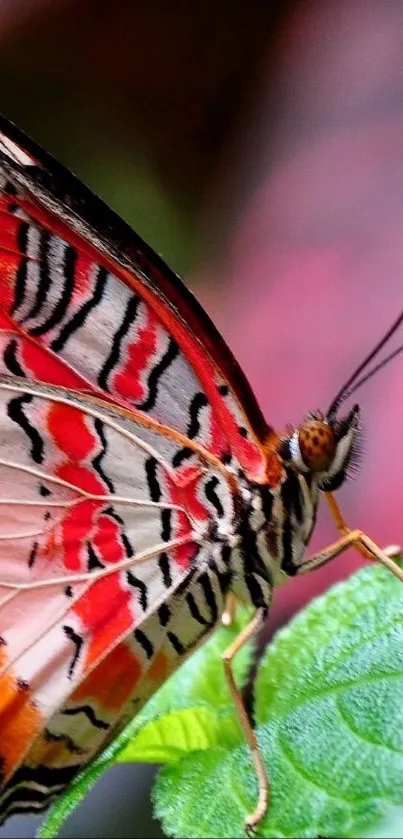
(317, 445)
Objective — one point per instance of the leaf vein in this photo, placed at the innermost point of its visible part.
(361, 736)
(333, 690)
(297, 768)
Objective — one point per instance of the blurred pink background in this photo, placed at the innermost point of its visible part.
(262, 152)
(311, 272)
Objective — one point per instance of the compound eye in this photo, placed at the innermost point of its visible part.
(317, 445)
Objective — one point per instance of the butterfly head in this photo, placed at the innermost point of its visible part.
(324, 446)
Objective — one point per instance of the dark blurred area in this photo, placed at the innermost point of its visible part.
(259, 148)
(137, 93)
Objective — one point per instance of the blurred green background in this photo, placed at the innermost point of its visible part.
(141, 99)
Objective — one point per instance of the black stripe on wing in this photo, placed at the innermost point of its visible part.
(89, 713)
(151, 465)
(45, 277)
(198, 402)
(129, 550)
(165, 568)
(181, 455)
(21, 278)
(144, 642)
(166, 532)
(154, 378)
(135, 582)
(16, 414)
(67, 741)
(97, 460)
(179, 648)
(211, 495)
(10, 358)
(31, 789)
(60, 308)
(78, 319)
(112, 360)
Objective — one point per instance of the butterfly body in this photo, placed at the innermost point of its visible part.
(139, 481)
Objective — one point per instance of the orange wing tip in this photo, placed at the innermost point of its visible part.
(20, 719)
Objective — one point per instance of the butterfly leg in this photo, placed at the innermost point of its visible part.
(341, 525)
(251, 629)
(363, 544)
(228, 615)
(336, 513)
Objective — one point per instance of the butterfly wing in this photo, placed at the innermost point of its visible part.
(87, 305)
(109, 575)
(112, 483)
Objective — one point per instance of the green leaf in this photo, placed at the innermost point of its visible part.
(329, 696)
(168, 739)
(199, 682)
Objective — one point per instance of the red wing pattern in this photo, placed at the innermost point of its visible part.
(106, 552)
(76, 312)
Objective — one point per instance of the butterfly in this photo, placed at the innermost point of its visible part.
(140, 484)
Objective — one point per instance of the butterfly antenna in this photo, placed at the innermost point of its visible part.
(372, 372)
(351, 384)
